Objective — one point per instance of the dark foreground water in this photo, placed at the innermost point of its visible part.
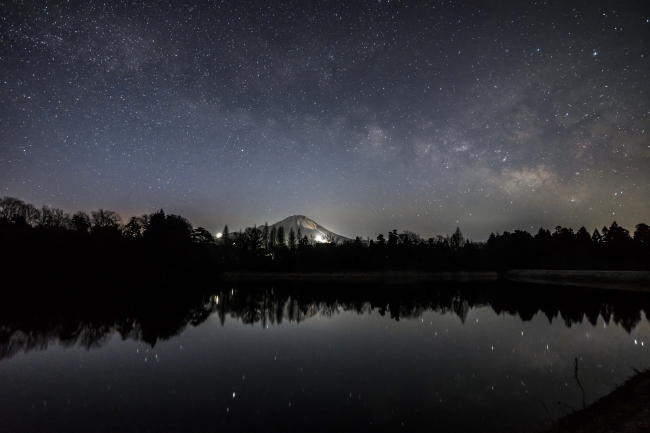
(318, 358)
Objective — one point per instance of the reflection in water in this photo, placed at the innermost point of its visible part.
(288, 357)
(159, 318)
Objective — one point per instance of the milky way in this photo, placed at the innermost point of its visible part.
(364, 116)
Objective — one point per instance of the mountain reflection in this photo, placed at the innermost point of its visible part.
(161, 317)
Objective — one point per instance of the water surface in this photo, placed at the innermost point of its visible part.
(450, 358)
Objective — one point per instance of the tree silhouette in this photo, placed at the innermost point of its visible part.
(292, 239)
(17, 211)
(168, 228)
(225, 236)
(105, 223)
(133, 229)
(161, 245)
(457, 240)
(150, 248)
(105, 218)
(393, 238)
(596, 237)
(410, 237)
(253, 237)
(272, 239)
(280, 238)
(80, 222)
(642, 234)
(202, 236)
(265, 236)
(563, 236)
(144, 220)
(616, 235)
(53, 218)
(583, 237)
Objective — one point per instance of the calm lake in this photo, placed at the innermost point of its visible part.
(274, 357)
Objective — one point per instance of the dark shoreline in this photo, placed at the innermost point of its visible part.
(626, 409)
(361, 277)
(618, 280)
(613, 280)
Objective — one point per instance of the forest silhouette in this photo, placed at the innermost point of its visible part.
(46, 246)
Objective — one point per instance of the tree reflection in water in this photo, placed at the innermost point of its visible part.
(164, 314)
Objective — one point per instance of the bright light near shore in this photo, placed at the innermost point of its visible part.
(218, 235)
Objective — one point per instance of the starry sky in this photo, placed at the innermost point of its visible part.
(364, 116)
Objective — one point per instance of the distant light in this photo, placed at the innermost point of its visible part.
(319, 238)
(219, 235)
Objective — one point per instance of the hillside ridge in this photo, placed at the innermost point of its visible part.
(308, 227)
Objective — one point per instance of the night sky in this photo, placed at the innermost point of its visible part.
(364, 116)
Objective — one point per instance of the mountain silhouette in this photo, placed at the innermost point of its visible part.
(307, 227)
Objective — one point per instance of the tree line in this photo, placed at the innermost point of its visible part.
(258, 248)
(609, 248)
(48, 243)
